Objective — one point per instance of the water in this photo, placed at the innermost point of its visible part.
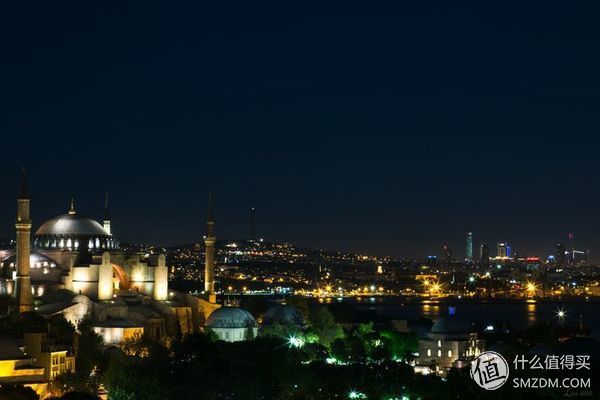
(519, 314)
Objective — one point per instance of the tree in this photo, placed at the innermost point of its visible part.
(89, 349)
(324, 326)
(17, 392)
(350, 349)
(403, 344)
(138, 378)
(284, 331)
(61, 329)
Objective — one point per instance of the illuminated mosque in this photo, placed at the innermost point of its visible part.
(74, 266)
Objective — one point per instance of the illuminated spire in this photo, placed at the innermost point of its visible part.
(106, 221)
(209, 252)
(23, 249)
(210, 222)
(23, 193)
(106, 209)
(72, 208)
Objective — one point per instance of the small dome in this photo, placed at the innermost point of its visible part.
(36, 260)
(230, 317)
(286, 315)
(71, 224)
(452, 326)
(81, 299)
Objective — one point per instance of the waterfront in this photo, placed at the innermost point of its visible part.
(517, 314)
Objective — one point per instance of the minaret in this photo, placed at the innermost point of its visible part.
(106, 221)
(23, 227)
(252, 214)
(209, 252)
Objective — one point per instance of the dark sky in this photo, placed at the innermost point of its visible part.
(384, 126)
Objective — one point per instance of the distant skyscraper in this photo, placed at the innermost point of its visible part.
(469, 257)
(571, 248)
(447, 253)
(560, 256)
(484, 253)
(503, 250)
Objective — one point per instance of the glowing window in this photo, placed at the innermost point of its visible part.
(439, 343)
(439, 353)
(428, 352)
(449, 353)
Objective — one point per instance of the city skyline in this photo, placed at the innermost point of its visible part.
(470, 238)
(391, 130)
(296, 200)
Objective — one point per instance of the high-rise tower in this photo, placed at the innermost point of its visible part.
(23, 228)
(106, 220)
(560, 256)
(209, 251)
(503, 250)
(571, 248)
(484, 253)
(469, 252)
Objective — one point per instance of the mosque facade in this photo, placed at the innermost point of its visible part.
(74, 265)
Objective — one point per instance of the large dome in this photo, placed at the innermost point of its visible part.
(73, 232)
(230, 317)
(285, 315)
(71, 224)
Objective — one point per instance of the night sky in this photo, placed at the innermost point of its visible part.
(380, 127)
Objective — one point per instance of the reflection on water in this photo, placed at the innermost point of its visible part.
(531, 312)
(517, 314)
(431, 311)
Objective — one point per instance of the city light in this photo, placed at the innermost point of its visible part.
(531, 288)
(356, 395)
(296, 342)
(435, 288)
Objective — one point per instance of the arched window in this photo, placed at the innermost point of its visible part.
(449, 353)
(62, 243)
(439, 343)
(428, 352)
(97, 243)
(439, 353)
(69, 243)
(90, 244)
